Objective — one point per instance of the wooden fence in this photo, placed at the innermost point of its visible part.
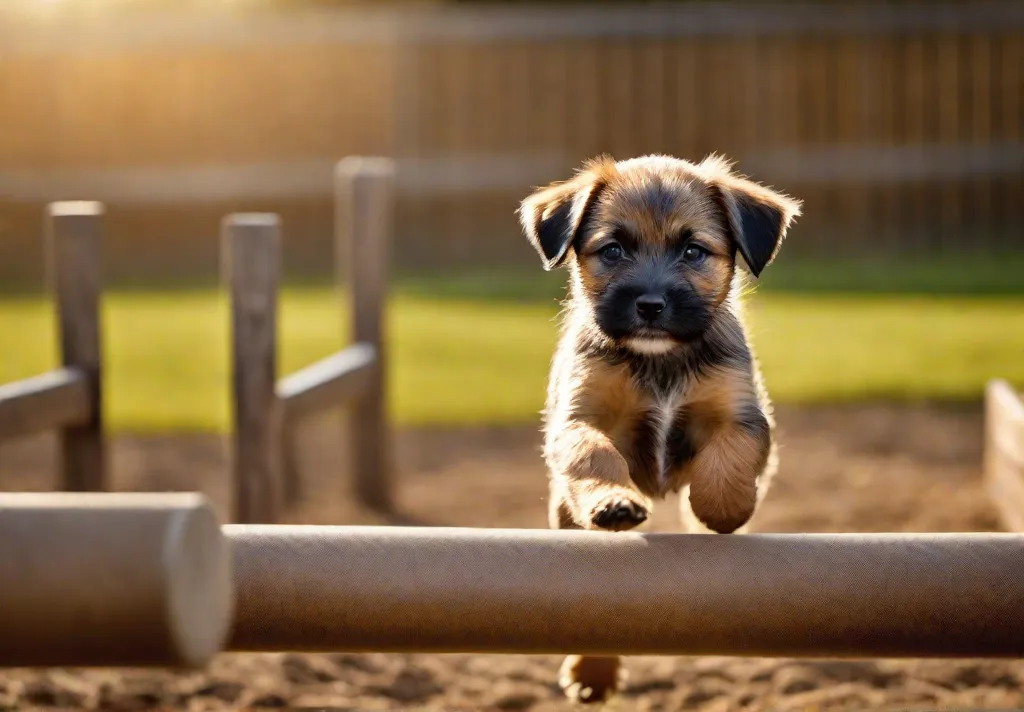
(267, 411)
(901, 126)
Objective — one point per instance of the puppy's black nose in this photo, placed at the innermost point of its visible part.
(649, 306)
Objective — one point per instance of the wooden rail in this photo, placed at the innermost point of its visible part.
(1004, 452)
(68, 399)
(336, 379)
(112, 579)
(55, 399)
(267, 411)
(133, 579)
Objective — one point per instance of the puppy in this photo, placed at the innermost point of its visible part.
(654, 387)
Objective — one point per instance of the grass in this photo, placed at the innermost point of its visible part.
(989, 274)
(478, 351)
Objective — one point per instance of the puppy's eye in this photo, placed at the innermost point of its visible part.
(694, 254)
(611, 253)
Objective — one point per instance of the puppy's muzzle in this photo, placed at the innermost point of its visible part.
(650, 307)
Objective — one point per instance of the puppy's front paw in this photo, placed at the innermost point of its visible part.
(618, 512)
(590, 680)
(723, 510)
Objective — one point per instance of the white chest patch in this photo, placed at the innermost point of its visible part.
(665, 410)
(651, 347)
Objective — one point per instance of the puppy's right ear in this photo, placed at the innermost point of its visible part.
(552, 216)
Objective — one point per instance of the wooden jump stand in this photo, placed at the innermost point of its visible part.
(1004, 452)
(68, 399)
(266, 411)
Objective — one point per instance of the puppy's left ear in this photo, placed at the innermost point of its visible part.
(552, 216)
(757, 217)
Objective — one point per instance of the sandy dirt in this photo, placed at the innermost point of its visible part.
(843, 469)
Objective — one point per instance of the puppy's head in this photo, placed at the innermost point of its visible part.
(651, 242)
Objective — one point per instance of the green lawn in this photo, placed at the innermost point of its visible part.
(460, 359)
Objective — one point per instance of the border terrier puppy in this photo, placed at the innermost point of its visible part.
(654, 387)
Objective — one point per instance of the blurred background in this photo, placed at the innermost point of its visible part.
(896, 297)
(899, 124)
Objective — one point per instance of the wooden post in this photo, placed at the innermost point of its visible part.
(73, 239)
(251, 249)
(1003, 455)
(364, 222)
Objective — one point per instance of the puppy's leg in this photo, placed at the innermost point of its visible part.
(592, 480)
(591, 489)
(585, 679)
(725, 486)
(693, 524)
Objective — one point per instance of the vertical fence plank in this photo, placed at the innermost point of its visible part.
(854, 119)
(364, 224)
(651, 99)
(889, 83)
(1011, 96)
(976, 98)
(588, 98)
(950, 228)
(73, 238)
(914, 119)
(251, 250)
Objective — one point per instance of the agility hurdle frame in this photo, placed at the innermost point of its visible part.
(266, 411)
(179, 589)
(1004, 452)
(70, 398)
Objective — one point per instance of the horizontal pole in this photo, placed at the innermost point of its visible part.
(328, 383)
(102, 579)
(438, 590)
(433, 177)
(51, 400)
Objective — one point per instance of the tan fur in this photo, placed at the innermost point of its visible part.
(620, 432)
(590, 679)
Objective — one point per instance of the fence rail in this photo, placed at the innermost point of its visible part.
(52, 400)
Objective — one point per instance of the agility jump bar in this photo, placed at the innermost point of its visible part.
(171, 589)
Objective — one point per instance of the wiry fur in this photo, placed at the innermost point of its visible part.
(632, 412)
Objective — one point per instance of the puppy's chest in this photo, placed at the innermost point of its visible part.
(659, 443)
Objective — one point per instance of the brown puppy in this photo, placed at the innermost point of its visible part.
(654, 387)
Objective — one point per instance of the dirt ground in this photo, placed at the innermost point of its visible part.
(843, 469)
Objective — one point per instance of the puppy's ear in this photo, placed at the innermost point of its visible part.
(757, 217)
(552, 216)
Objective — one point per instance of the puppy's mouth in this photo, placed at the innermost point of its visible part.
(681, 318)
(651, 341)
